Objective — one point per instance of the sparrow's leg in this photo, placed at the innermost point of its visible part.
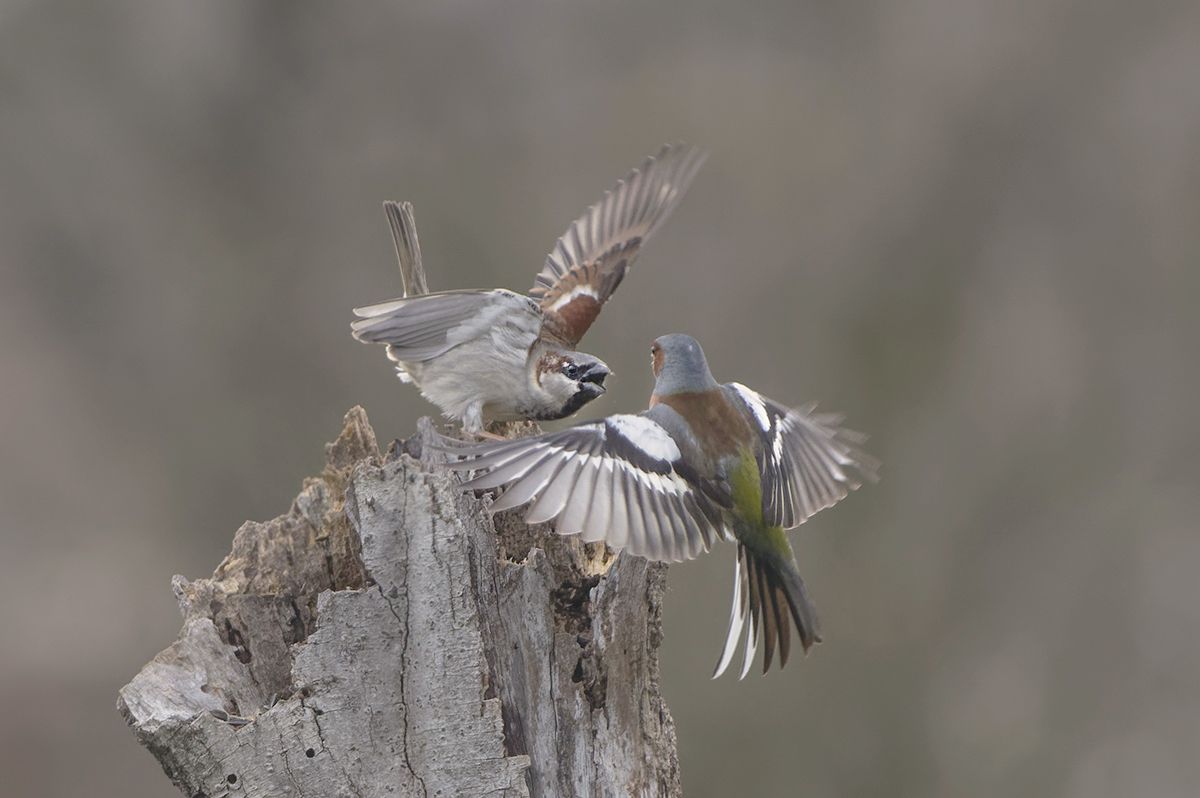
(473, 424)
(472, 420)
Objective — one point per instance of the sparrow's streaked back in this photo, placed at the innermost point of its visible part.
(706, 461)
(499, 355)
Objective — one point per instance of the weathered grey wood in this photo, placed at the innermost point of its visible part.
(383, 637)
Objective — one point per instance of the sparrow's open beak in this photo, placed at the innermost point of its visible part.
(595, 373)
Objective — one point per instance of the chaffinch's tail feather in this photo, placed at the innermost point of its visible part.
(771, 592)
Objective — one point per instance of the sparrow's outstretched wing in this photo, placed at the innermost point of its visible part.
(621, 480)
(807, 461)
(591, 258)
(418, 328)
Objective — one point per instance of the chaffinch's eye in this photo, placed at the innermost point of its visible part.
(570, 371)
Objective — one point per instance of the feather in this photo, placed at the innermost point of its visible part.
(408, 247)
(687, 530)
(658, 544)
(619, 533)
(550, 502)
(752, 632)
(639, 514)
(510, 470)
(528, 486)
(583, 494)
(766, 610)
(737, 617)
(783, 621)
(598, 520)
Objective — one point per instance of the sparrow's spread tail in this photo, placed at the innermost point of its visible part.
(770, 589)
(408, 248)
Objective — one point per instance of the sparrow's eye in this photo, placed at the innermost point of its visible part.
(570, 371)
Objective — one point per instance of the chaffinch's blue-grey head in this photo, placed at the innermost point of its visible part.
(679, 365)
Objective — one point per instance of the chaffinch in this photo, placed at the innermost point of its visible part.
(499, 355)
(705, 461)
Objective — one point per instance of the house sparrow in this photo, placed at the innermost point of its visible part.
(704, 461)
(498, 355)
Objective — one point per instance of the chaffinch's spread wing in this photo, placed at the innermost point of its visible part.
(620, 480)
(807, 461)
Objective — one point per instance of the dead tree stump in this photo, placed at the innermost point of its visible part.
(385, 637)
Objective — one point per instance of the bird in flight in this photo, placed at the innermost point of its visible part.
(496, 355)
(705, 461)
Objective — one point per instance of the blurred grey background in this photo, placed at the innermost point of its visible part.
(972, 225)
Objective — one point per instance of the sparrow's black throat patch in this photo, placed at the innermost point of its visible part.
(577, 400)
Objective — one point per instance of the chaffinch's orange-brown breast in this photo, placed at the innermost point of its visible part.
(720, 428)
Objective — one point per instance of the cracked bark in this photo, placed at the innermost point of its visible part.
(386, 637)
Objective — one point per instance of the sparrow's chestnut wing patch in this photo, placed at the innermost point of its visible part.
(590, 259)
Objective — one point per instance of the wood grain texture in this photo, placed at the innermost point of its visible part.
(385, 637)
